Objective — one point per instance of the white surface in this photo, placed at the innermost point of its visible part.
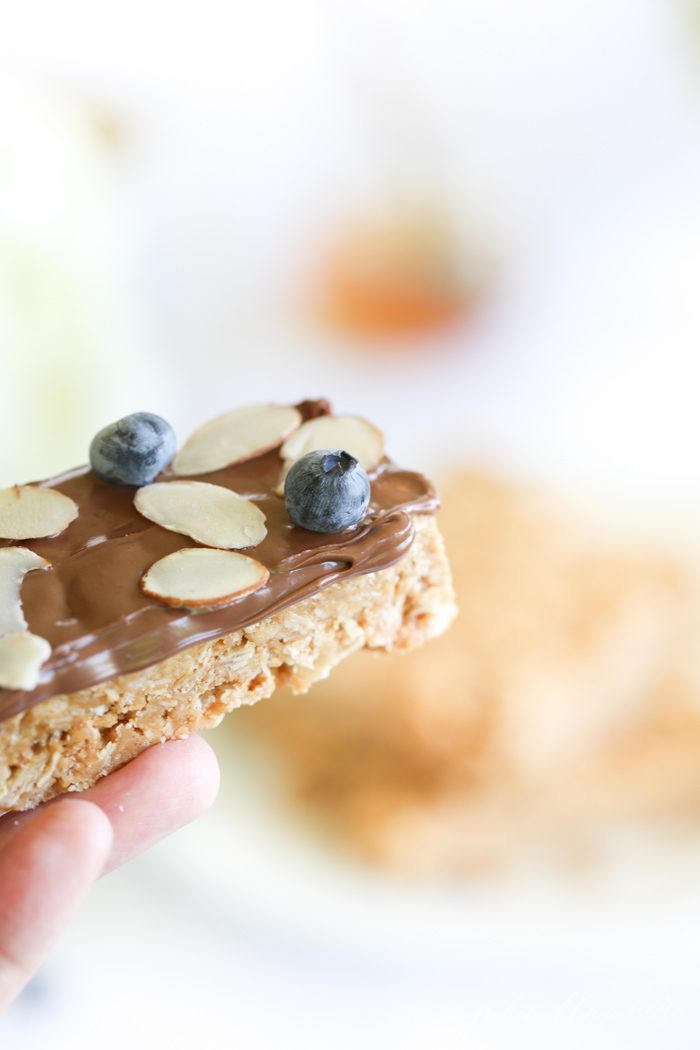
(571, 131)
(574, 128)
(237, 932)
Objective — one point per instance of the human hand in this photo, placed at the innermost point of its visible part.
(50, 857)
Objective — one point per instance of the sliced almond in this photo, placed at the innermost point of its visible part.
(15, 562)
(236, 437)
(21, 657)
(210, 514)
(29, 512)
(350, 433)
(200, 577)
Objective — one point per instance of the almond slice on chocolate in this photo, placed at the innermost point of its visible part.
(30, 512)
(349, 433)
(236, 437)
(199, 577)
(209, 514)
(21, 657)
(15, 562)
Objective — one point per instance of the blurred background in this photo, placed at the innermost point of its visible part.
(477, 223)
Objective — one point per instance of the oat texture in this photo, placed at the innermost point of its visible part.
(67, 742)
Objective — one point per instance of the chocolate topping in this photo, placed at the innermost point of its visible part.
(91, 610)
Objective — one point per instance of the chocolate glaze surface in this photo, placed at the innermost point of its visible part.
(99, 623)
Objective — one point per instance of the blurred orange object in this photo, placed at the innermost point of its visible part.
(394, 276)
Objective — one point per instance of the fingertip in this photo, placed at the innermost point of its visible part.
(181, 773)
(199, 766)
(164, 788)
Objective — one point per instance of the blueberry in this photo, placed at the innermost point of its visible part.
(326, 491)
(133, 450)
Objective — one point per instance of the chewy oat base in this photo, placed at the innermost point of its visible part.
(67, 742)
(125, 671)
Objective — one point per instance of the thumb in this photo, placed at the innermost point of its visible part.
(46, 867)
